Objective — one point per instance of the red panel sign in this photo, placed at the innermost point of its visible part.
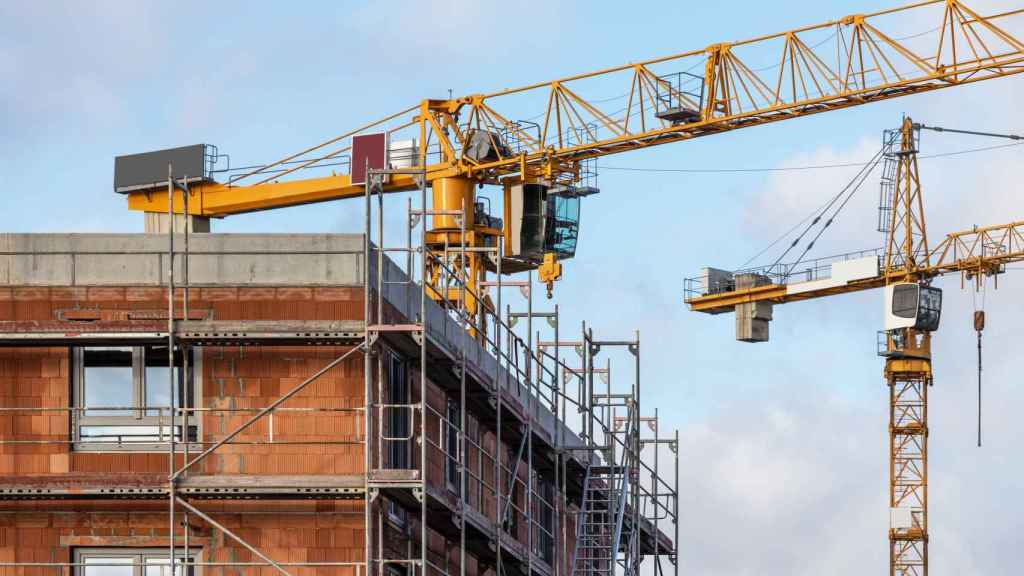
(368, 151)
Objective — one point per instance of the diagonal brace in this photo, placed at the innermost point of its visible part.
(266, 411)
(229, 534)
(512, 479)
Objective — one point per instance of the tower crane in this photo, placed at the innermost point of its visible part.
(537, 143)
(905, 269)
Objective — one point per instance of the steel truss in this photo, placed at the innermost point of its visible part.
(851, 61)
(492, 493)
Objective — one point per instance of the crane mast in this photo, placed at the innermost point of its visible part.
(905, 268)
(908, 369)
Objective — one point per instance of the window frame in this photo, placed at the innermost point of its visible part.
(399, 452)
(510, 523)
(452, 442)
(138, 555)
(191, 393)
(544, 504)
(399, 423)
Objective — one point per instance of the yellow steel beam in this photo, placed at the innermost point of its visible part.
(215, 200)
(775, 293)
(857, 64)
(976, 252)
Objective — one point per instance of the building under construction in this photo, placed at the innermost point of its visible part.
(346, 404)
(323, 414)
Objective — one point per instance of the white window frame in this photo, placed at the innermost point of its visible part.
(80, 419)
(139, 556)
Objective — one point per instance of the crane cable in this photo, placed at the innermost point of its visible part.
(853, 186)
(805, 167)
(979, 327)
(980, 284)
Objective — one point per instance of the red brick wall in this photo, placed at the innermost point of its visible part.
(233, 378)
(223, 303)
(33, 379)
(286, 532)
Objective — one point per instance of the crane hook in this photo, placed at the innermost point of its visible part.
(979, 326)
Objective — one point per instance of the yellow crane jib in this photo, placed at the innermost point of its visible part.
(905, 267)
(548, 135)
(975, 253)
(538, 143)
(544, 132)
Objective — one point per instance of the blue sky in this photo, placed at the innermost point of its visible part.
(784, 444)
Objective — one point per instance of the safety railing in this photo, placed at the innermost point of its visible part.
(281, 426)
(781, 273)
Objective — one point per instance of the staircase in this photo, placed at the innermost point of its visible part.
(605, 537)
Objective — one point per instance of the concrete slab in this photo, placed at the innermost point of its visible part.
(215, 259)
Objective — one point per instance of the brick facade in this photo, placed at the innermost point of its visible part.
(233, 379)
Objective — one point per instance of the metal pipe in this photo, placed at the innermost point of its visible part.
(170, 357)
(321, 145)
(367, 385)
(187, 219)
(229, 534)
(188, 547)
(186, 390)
(968, 132)
(423, 375)
(531, 399)
(558, 536)
(463, 317)
(499, 518)
(654, 487)
(268, 409)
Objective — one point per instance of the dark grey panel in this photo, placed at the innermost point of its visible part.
(149, 169)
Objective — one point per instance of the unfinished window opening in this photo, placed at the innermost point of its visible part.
(133, 562)
(474, 463)
(544, 512)
(451, 446)
(511, 520)
(398, 418)
(155, 380)
(108, 380)
(399, 412)
(123, 399)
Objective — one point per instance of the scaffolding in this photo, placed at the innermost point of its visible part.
(541, 472)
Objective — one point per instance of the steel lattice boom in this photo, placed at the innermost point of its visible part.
(974, 253)
(544, 131)
(906, 267)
